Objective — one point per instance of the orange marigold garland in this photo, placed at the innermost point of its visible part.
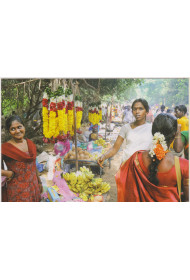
(159, 146)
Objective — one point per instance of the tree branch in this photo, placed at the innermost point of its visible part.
(89, 85)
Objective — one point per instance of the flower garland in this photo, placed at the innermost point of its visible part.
(159, 147)
(100, 113)
(58, 121)
(95, 113)
(52, 117)
(70, 114)
(79, 111)
(60, 106)
(45, 115)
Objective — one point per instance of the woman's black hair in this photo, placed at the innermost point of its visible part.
(166, 124)
(144, 103)
(182, 108)
(162, 108)
(12, 119)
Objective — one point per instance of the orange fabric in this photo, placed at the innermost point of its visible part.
(133, 185)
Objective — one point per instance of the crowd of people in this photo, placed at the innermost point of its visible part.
(154, 165)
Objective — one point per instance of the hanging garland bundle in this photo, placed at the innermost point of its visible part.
(58, 114)
(95, 113)
(79, 111)
(45, 115)
(52, 117)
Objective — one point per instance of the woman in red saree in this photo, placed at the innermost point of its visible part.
(19, 155)
(151, 175)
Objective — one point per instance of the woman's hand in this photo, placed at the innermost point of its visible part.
(112, 151)
(8, 174)
(101, 160)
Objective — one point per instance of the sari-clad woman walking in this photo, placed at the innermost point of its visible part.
(152, 175)
(138, 134)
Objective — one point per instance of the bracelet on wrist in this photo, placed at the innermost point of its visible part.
(12, 176)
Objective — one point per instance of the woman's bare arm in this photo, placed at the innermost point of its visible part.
(185, 188)
(178, 144)
(112, 151)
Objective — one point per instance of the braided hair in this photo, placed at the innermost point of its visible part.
(166, 124)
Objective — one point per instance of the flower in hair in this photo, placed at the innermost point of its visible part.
(159, 146)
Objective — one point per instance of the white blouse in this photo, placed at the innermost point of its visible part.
(138, 138)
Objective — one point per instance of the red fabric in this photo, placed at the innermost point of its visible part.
(9, 150)
(24, 186)
(133, 185)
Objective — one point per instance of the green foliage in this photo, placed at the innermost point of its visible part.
(164, 91)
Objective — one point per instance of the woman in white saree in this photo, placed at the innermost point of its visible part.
(138, 134)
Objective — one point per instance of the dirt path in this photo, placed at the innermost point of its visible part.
(109, 176)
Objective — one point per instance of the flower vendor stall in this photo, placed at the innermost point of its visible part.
(62, 112)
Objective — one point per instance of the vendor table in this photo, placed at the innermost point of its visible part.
(88, 163)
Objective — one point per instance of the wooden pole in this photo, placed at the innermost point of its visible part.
(17, 99)
(75, 130)
(106, 121)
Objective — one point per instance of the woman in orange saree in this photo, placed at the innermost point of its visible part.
(150, 176)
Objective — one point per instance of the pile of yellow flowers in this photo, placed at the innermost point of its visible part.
(84, 183)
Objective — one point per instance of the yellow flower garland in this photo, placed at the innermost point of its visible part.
(90, 117)
(70, 120)
(45, 122)
(61, 120)
(78, 119)
(52, 123)
(57, 128)
(65, 123)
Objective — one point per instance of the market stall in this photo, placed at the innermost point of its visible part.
(62, 115)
